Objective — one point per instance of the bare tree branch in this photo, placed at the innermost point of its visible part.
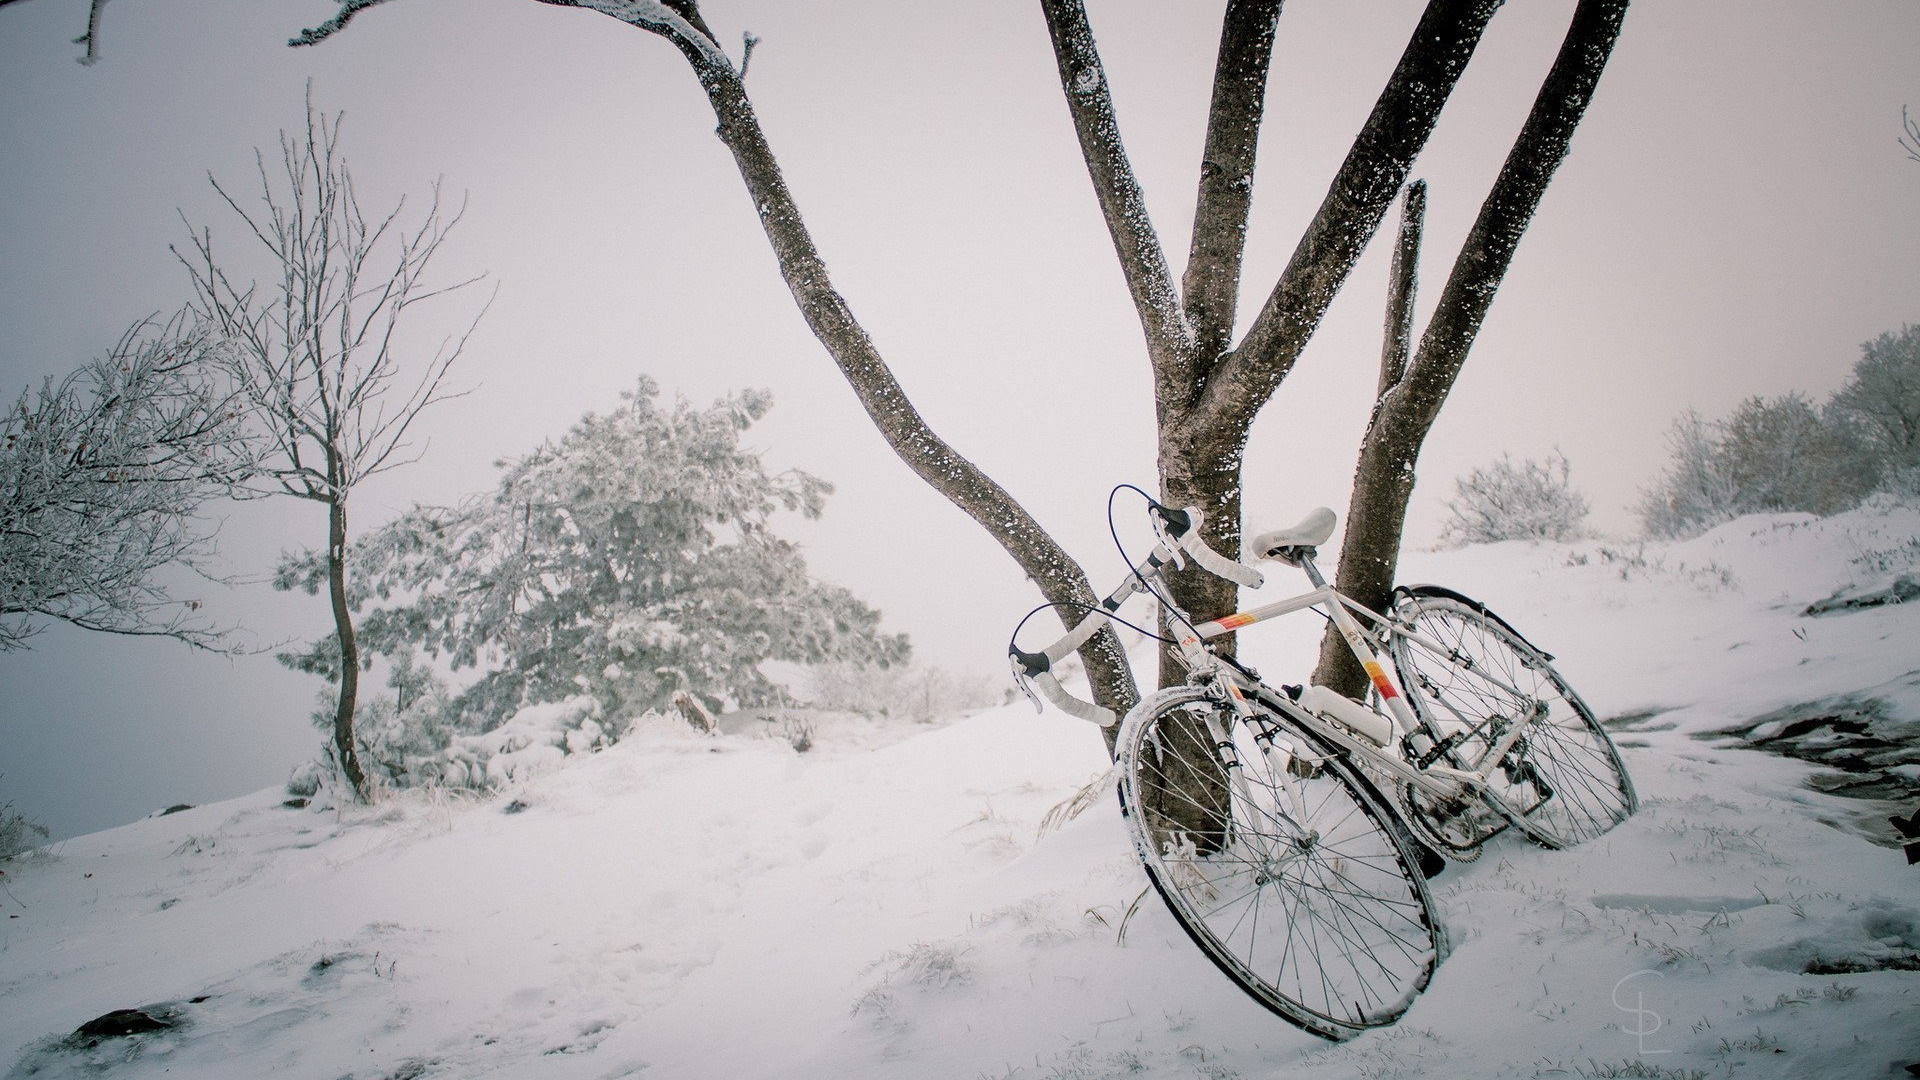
(317, 34)
(1509, 207)
(102, 478)
(1397, 342)
(1212, 281)
(1142, 260)
(1375, 167)
(90, 39)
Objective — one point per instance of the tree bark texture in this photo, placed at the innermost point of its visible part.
(343, 740)
(1405, 412)
(1402, 282)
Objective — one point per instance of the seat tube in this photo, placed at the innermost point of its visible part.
(1349, 628)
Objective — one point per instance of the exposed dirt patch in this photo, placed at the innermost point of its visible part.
(1870, 751)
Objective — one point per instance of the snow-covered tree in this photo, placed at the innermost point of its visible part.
(1694, 492)
(1883, 397)
(314, 352)
(633, 558)
(1783, 454)
(1531, 500)
(102, 478)
(1770, 455)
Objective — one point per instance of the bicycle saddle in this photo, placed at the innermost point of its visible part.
(1312, 531)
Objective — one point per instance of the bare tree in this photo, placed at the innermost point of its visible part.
(315, 351)
(1208, 389)
(102, 478)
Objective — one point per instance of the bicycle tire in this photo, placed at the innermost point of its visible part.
(1563, 783)
(1320, 914)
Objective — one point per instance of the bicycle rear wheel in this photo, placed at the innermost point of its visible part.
(1290, 877)
(1562, 782)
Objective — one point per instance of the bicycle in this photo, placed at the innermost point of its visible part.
(1284, 827)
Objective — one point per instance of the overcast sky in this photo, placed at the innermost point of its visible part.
(1736, 216)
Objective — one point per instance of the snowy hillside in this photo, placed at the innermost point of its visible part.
(681, 906)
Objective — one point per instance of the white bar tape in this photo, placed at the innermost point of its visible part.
(1214, 562)
(1073, 706)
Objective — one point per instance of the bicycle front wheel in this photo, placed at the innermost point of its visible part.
(1562, 781)
(1281, 866)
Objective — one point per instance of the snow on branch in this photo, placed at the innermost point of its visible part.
(102, 476)
(677, 20)
(317, 34)
(1142, 259)
(1358, 198)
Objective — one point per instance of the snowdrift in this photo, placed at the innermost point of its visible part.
(684, 906)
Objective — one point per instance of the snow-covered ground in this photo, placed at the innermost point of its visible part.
(683, 906)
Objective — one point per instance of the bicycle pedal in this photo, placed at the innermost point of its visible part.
(1423, 759)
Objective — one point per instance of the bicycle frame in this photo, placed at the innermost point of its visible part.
(1435, 779)
(1178, 535)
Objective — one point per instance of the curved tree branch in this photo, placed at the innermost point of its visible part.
(1142, 260)
(317, 34)
(1375, 167)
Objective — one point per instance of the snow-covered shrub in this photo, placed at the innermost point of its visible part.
(1785, 454)
(306, 779)
(1771, 455)
(534, 739)
(631, 560)
(1530, 500)
(17, 832)
(799, 730)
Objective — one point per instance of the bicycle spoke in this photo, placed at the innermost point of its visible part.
(1306, 899)
(1561, 781)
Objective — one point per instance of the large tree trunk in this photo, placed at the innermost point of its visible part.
(1406, 410)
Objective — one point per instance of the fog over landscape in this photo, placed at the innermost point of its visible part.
(1735, 218)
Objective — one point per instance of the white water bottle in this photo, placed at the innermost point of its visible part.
(1340, 709)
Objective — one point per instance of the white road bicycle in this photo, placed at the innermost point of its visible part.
(1289, 830)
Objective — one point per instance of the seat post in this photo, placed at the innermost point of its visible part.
(1313, 572)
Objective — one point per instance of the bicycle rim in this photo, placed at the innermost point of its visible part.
(1563, 782)
(1296, 886)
